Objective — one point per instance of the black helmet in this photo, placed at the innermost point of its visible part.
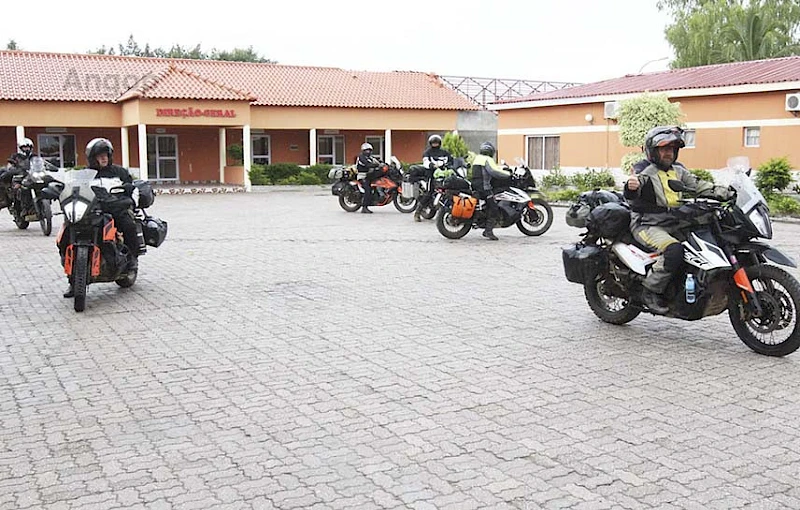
(96, 147)
(434, 139)
(25, 147)
(487, 149)
(663, 136)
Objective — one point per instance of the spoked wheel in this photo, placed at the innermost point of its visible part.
(775, 332)
(350, 200)
(450, 227)
(536, 221)
(45, 217)
(80, 275)
(608, 308)
(405, 205)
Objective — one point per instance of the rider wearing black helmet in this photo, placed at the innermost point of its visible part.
(99, 154)
(484, 169)
(368, 166)
(17, 162)
(652, 203)
(434, 157)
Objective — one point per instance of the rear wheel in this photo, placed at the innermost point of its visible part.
(450, 227)
(350, 199)
(45, 217)
(536, 221)
(80, 274)
(608, 308)
(775, 332)
(405, 205)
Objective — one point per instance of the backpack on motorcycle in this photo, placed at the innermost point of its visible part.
(464, 207)
(578, 212)
(146, 194)
(456, 183)
(155, 231)
(582, 262)
(611, 220)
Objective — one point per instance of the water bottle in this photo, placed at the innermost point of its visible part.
(690, 288)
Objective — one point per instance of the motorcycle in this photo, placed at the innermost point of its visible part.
(519, 204)
(387, 189)
(726, 268)
(92, 249)
(28, 204)
(437, 186)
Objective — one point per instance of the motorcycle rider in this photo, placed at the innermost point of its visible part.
(484, 169)
(99, 153)
(652, 203)
(434, 158)
(367, 165)
(17, 163)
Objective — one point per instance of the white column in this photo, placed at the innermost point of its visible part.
(312, 146)
(248, 156)
(387, 145)
(20, 133)
(126, 152)
(143, 152)
(223, 160)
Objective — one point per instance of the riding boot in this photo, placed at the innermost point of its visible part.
(417, 217)
(653, 287)
(70, 292)
(488, 231)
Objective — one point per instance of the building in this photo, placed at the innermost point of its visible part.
(745, 108)
(172, 120)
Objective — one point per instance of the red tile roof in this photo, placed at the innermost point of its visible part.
(105, 78)
(755, 72)
(177, 83)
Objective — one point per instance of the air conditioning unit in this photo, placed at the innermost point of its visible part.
(793, 102)
(611, 110)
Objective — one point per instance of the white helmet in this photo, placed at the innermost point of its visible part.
(366, 147)
(25, 147)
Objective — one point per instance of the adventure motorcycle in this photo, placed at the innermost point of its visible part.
(461, 211)
(458, 167)
(726, 268)
(92, 249)
(28, 204)
(387, 189)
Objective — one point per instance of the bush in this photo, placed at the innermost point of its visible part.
(563, 195)
(236, 153)
(303, 178)
(630, 159)
(774, 175)
(640, 114)
(704, 175)
(320, 170)
(455, 145)
(593, 179)
(554, 179)
(783, 204)
(257, 176)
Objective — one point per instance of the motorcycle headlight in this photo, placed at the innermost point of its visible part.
(75, 210)
(37, 176)
(761, 222)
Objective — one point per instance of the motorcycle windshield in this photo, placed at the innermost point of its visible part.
(747, 194)
(79, 177)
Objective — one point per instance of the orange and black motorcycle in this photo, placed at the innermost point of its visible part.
(388, 189)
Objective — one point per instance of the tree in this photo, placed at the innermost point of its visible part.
(719, 31)
(132, 48)
(639, 115)
(455, 145)
(12, 45)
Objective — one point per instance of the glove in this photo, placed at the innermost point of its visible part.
(731, 193)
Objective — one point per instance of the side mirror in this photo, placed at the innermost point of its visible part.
(748, 172)
(676, 185)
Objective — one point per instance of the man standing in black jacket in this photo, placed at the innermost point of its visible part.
(367, 165)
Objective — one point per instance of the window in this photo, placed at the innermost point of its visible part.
(162, 157)
(58, 149)
(544, 152)
(260, 148)
(330, 150)
(689, 137)
(377, 146)
(752, 136)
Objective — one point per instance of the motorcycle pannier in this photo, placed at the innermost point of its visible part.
(581, 262)
(464, 207)
(146, 194)
(609, 220)
(155, 231)
(455, 183)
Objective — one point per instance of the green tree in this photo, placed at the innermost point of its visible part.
(706, 32)
(12, 45)
(455, 145)
(639, 115)
(132, 48)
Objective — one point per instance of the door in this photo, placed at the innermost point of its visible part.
(162, 157)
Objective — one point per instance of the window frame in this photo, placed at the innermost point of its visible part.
(541, 165)
(380, 145)
(334, 155)
(253, 155)
(694, 138)
(747, 129)
(60, 137)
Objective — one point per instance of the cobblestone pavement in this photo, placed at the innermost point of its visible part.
(278, 352)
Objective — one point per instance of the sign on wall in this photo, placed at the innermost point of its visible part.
(194, 112)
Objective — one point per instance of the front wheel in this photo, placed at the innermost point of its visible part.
(80, 274)
(608, 308)
(536, 221)
(350, 199)
(775, 332)
(45, 217)
(404, 205)
(450, 227)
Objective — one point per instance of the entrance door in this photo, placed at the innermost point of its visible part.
(162, 157)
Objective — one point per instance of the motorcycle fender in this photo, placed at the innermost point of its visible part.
(69, 260)
(109, 231)
(96, 261)
(772, 254)
(61, 233)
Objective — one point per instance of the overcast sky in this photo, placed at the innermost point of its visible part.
(555, 40)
